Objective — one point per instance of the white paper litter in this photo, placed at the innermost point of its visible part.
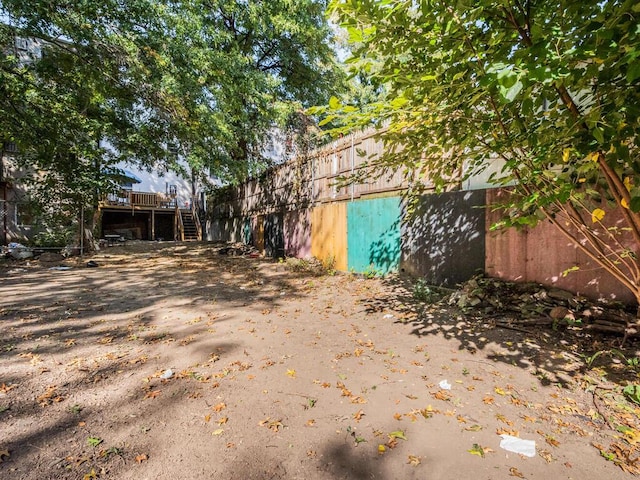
(445, 385)
(518, 445)
(167, 374)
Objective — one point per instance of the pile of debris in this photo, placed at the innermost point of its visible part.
(535, 304)
(239, 250)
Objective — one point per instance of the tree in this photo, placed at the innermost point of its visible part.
(138, 80)
(550, 89)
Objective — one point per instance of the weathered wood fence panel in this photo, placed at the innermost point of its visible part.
(297, 233)
(329, 234)
(544, 255)
(301, 209)
(443, 237)
(373, 235)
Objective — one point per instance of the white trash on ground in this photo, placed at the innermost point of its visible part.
(518, 445)
(445, 385)
(167, 374)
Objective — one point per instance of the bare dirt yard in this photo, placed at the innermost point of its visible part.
(171, 361)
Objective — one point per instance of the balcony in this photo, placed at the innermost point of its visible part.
(132, 199)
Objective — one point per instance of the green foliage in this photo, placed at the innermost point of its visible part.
(372, 272)
(94, 441)
(632, 392)
(542, 98)
(143, 79)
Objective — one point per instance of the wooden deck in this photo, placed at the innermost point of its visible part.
(128, 199)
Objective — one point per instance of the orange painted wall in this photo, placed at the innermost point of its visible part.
(329, 234)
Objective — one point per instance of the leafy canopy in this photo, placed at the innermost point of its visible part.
(142, 79)
(544, 93)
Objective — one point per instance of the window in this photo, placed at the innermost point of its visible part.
(25, 214)
(10, 147)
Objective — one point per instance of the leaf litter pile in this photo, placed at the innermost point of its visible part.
(173, 361)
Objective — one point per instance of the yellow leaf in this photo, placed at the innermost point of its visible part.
(566, 154)
(594, 156)
(414, 461)
(219, 431)
(291, 373)
(381, 449)
(476, 450)
(597, 215)
(627, 183)
(624, 203)
(500, 391)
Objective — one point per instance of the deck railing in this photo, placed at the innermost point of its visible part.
(129, 198)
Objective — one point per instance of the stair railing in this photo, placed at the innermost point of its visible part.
(196, 219)
(179, 225)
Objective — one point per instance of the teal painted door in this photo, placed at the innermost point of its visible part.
(373, 235)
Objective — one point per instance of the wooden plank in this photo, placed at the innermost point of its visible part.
(329, 234)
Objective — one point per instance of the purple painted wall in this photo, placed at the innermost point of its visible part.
(297, 233)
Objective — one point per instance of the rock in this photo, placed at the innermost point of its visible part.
(559, 313)
(559, 294)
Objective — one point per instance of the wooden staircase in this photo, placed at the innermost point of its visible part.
(190, 230)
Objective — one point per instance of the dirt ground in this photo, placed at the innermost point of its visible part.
(282, 374)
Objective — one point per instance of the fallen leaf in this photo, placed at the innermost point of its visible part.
(274, 425)
(207, 418)
(504, 419)
(488, 400)
(414, 461)
(514, 472)
(217, 432)
(552, 441)
(473, 428)
(441, 395)
(291, 373)
(310, 423)
(92, 474)
(82, 424)
(219, 407)
(476, 450)
(546, 454)
(152, 394)
(223, 420)
(142, 457)
(398, 434)
(397, 416)
(4, 388)
(358, 415)
(499, 391)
